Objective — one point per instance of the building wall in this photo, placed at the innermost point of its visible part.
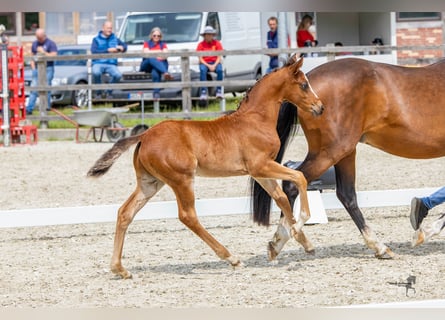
(426, 33)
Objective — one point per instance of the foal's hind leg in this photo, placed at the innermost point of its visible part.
(147, 187)
(187, 215)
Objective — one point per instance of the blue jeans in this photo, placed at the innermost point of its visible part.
(435, 198)
(156, 67)
(203, 70)
(100, 68)
(33, 95)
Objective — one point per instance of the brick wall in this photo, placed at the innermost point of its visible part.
(419, 36)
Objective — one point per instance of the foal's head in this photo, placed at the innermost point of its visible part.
(295, 87)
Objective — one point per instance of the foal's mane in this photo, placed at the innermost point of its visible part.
(246, 96)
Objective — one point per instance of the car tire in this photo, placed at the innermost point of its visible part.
(79, 97)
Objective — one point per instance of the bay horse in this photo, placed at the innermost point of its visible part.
(244, 142)
(400, 110)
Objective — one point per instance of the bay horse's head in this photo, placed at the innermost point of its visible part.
(296, 87)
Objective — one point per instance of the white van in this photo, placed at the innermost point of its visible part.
(181, 30)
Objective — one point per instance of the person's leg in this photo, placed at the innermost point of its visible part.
(219, 77)
(33, 94)
(421, 206)
(156, 77)
(49, 78)
(145, 65)
(203, 77)
(96, 71)
(435, 198)
(160, 66)
(115, 75)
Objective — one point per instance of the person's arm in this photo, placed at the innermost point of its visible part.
(201, 58)
(95, 48)
(121, 46)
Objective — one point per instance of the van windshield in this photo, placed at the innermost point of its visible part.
(175, 26)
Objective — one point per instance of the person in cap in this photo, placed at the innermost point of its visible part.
(210, 63)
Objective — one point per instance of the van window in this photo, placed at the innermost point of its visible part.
(212, 20)
(175, 26)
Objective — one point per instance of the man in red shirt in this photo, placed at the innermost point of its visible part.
(210, 63)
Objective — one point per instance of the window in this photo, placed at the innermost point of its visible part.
(418, 16)
(60, 23)
(30, 22)
(8, 20)
(212, 20)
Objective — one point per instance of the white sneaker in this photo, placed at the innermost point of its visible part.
(219, 95)
(203, 96)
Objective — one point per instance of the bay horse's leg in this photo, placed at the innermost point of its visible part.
(147, 187)
(187, 215)
(346, 193)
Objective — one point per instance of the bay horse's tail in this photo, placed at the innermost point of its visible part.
(104, 163)
(261, 201)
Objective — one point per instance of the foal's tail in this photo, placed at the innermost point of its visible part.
(104, 163)
(261, 200)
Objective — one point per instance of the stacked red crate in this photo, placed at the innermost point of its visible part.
(21, 130)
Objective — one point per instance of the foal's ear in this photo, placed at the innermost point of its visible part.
(295, 67)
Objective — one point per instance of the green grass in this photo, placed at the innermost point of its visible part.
(214, 106)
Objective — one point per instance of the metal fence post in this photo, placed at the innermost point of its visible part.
(90, 80)
(43, 97)
(5, 96)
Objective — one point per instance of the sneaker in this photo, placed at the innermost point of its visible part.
(28, 113)
(168, 76)
(109, 95)
(98, 96)
(418, 212)
(156, 96)
(219, 95)
(203, 96)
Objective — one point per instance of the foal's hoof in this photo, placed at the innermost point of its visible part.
(310, 251)
(123, 273)
(418, 238)
(271, 252)
(385, 254)
(235, 262)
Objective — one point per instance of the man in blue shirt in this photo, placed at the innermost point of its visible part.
(42, 46)
(106, 42)
(272, 42)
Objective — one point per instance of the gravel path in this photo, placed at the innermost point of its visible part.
(68, 265)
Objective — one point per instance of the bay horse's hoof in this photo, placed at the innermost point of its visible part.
(418, 238)
(271, 252)
(386, 254)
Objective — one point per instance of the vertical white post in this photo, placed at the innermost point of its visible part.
(5, 96)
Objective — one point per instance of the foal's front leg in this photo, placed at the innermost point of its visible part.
(288, 226)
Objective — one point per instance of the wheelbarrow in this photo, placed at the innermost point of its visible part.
(104, 120)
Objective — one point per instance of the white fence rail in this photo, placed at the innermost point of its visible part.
(204, 207)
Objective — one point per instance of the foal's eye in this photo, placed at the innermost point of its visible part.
(304, 86)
